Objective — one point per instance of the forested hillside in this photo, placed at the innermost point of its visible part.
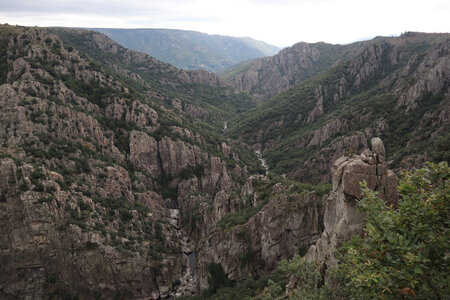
(124, 177)
(191, 50)
(397, 89)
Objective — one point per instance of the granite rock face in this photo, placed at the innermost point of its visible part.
(342, 219)
(276, 232)
(267, 77)
(376, 84)
(430, 75)
(92, 179)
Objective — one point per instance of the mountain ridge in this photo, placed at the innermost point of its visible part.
(266, 77)
(188, 49)
(119, 180)
(322, 109)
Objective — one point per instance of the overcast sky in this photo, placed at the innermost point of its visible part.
(279, 22)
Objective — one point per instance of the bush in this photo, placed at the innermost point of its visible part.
(217, 278)
(405, 252)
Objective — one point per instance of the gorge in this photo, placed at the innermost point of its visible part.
(123, 177)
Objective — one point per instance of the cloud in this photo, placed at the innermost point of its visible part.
(280, 22)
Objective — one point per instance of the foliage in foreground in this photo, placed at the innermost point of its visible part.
(403, 254)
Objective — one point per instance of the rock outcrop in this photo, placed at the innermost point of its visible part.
(430, 75)
(285, 223)
(269, 76)
(93, 174)
(342, 219)
(361, 97)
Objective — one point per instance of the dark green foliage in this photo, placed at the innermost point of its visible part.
(4, 67)
(403, 253)
(83, 165)
(241, 216)
(91, 245)
(442, 149)
(121, 130)
(286, 133)
(125, 215)
(23, 187)
(30, 91)
(45, 199)
(35, 178)
(307, 274)
(302, 250)
(92, 90)
(248, 288)
(84, 206)
(38, 187)
(217, 278)
(189, 172)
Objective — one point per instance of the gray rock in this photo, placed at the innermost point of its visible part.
(342, 219)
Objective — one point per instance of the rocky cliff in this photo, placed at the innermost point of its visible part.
(286, 222)
(269, 76)
(342, 219)
(94, 173)
(317, 121)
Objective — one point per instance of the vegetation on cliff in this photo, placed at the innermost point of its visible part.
(403, 253)
(396, 89)
(190, 50)
(118, 179)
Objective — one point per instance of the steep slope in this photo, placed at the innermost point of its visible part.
(397, 89)
(94, 172)
(267, 77)
(198, 94)
(191, 50)
(116, 180)
(108, 190)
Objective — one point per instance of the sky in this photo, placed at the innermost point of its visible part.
(278, 22)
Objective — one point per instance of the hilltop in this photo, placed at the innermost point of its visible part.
(191, 50)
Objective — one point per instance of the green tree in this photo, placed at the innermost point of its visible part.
(404, 252)
(306, 274)
(217, 278)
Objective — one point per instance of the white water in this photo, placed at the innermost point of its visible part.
(225, 126)
(262, 160)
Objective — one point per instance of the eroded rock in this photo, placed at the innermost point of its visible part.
(342, 218)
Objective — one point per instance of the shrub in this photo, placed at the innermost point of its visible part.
(404, 253)
(217, 278)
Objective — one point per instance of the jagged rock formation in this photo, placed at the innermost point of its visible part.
(160, 79)
(342, 219)
(319, 120)
(93, 172)
(286, 223)
(269, 76)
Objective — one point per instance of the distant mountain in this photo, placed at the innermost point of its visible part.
(191, 50)
(124, 177)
